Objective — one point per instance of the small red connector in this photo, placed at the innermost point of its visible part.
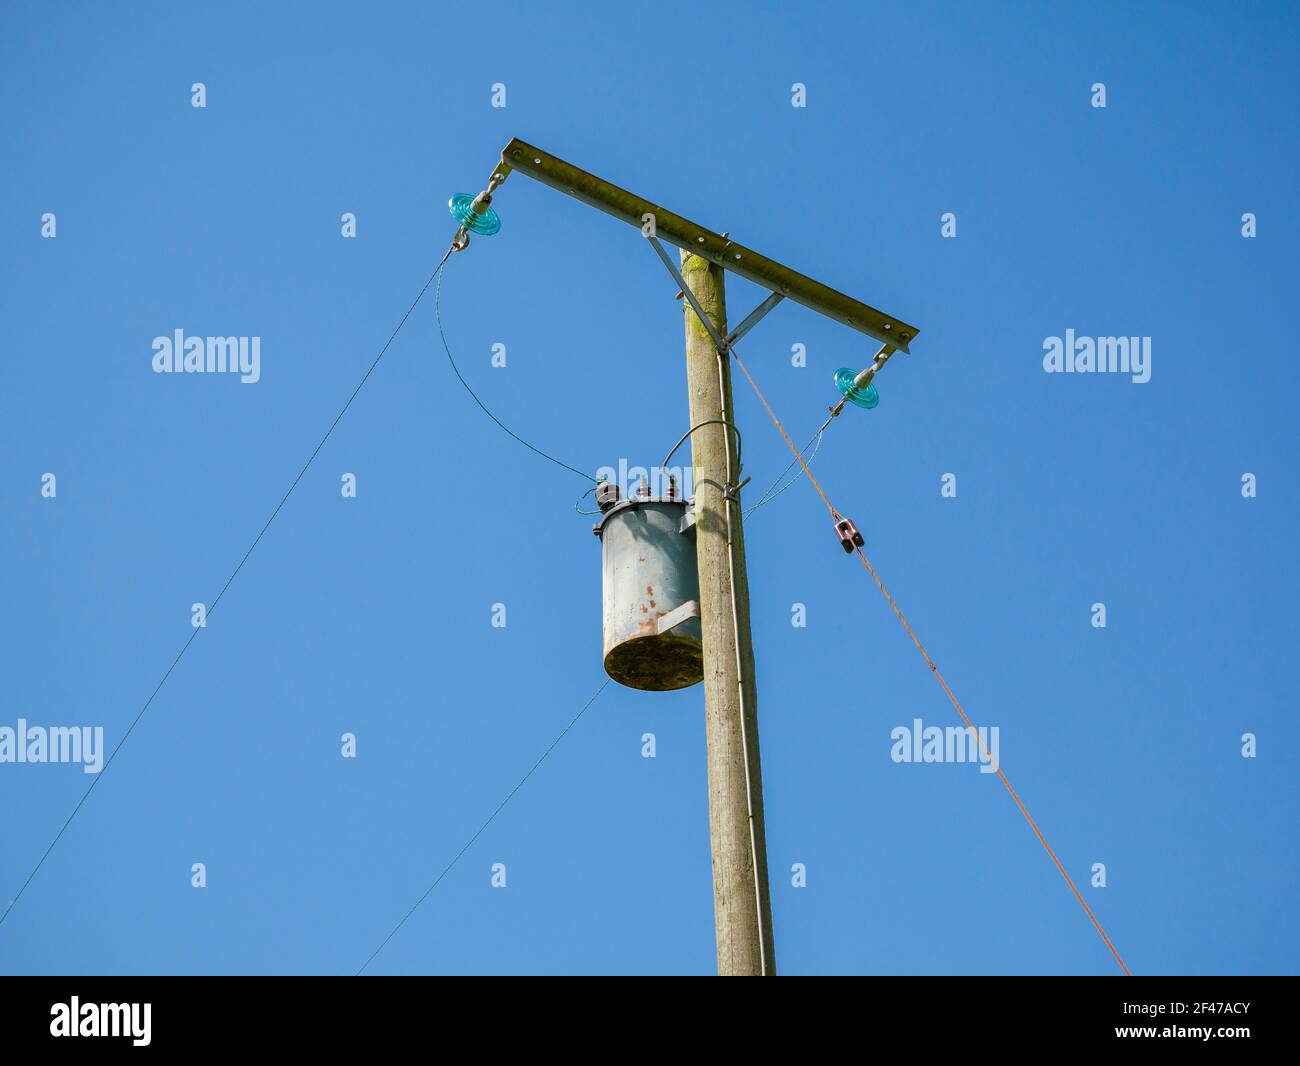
(848, 533)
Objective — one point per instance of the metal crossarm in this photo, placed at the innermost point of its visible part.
(716, 247)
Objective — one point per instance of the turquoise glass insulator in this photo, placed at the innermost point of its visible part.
(866, 398)
(486, 224)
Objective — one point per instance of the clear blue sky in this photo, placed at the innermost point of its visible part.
(371, 615)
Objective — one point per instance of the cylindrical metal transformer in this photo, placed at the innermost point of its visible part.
(651, 592)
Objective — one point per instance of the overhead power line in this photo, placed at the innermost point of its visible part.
(776, 488)
(437, 314)
(234, 574)
(479, 831)
(930, 663)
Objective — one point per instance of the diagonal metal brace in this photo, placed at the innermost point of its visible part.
(752, 319)
(719, 341)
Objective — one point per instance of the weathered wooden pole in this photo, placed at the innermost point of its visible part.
(741, 904)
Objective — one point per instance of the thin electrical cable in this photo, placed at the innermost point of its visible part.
(772, 492)
(707, 422)
(933, 668)
(437, 314)
(479, 832)
(777, 489)
(235, 573)
(577, 504)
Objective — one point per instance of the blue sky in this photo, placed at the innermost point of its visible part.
(372, 615)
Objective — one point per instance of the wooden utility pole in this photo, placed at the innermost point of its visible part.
(741, 904)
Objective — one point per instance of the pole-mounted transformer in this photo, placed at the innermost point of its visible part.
(650, 589)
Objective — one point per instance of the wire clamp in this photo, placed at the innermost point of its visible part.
(848, 533)
(731, 490)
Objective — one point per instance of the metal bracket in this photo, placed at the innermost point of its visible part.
(718, 341)
(750, 321)
(678, 615)
(731, 490)
(687, 527)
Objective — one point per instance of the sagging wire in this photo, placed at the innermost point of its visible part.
(709, 422)
(772, 492)
(212, 607)
(437, 312)
(577, 505)
(476, 215)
